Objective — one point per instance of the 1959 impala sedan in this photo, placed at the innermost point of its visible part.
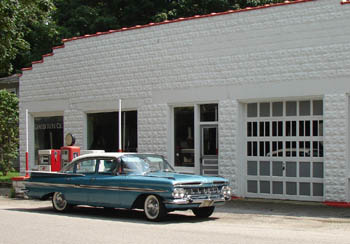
(125, 180)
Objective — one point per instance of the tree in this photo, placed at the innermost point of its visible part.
(8, 130)
(27, 31)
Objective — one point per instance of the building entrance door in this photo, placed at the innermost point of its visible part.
(209, 150)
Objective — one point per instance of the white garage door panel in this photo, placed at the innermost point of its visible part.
(284, 150)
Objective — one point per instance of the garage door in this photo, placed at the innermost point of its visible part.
(284, 150)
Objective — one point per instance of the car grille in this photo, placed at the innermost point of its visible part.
(203, 191)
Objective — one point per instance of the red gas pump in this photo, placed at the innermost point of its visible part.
(68, 153)
(49, 160)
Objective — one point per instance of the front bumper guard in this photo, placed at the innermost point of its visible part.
(190, 200)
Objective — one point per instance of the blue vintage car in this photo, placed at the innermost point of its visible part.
(131, 181)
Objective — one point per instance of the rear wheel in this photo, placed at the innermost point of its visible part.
(59, 202)
(203, 212)
(154, 208)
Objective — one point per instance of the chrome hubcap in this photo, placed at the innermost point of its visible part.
(152, 207)
(59, 200)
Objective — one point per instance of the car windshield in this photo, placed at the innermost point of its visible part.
(145, 163)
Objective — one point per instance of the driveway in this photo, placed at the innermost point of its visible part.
(239, 221)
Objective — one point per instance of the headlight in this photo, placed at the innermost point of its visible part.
(226, 191)
(179, 193)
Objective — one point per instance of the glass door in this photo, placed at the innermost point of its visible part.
(209, 150)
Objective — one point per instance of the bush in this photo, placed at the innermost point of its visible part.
(8, 130)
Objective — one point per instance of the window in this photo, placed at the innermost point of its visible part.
(48, 133)
(86, 167)
(184, 136)
(209, 112)
(103, 131)
(107, 166)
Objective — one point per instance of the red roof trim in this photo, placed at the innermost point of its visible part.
(172, 21)
(57, 47)
(345, 2)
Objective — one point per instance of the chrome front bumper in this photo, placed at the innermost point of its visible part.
(203, 202)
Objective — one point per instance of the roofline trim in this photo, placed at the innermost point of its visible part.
(168, 22)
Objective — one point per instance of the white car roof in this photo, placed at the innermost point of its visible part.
(109, 154)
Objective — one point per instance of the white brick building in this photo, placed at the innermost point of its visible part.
(259, 95)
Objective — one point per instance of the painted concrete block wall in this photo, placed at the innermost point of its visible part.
(296, 50)
(153, 129)
(229, 165)
(335, 143)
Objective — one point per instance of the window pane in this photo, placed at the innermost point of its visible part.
(249, 148)
(210, 141)
(264, 186)
(252, 186)
(318, 107)
(277, 187)
(264, 109)
(304, 108)
(87, 166)
(291, 108)
(107, 166)
(255, 128)
(264, 168)
(317, 189)
(317, 170)
(261, 149)
(261, 129)
(48, 133)
(291, 169)
(277, 109)
(103, 131)
(291, 188)
(277, 168)
(315, 127)
(304, 189)
(304, 169)
(252, 110)
(255, 148)
(249, 129)
(184, 136)
(209, 112)
(252, 168)
(267, 128)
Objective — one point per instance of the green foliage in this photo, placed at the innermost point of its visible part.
(8, 130)
(27, 31)
(8, 177)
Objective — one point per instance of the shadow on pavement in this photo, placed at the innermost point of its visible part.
(135, 216)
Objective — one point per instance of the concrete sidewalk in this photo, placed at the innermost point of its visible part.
(4, 191)
(284, 208)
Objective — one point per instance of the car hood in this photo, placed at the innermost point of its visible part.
(188, 179)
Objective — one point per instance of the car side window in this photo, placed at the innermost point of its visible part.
(86, 166)
(107, 166)
(68, 168)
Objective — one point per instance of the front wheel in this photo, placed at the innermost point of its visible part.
(154, 208)
(59, 202)
(203, 212)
